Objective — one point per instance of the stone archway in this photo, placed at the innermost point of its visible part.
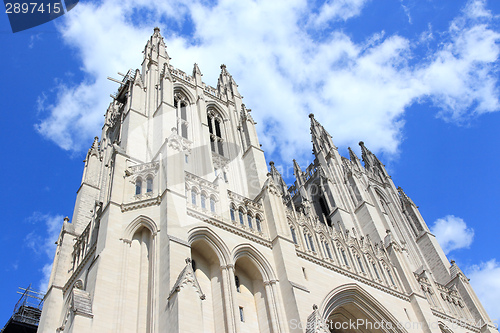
(349, 309)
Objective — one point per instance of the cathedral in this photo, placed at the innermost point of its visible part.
(180, 225)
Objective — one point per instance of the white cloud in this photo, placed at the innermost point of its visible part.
(334, 10)
(485, 279)
(476, 9)
(452, 233)
(358, 90)
(43, 243)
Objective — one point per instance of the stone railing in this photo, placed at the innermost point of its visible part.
(84, 243)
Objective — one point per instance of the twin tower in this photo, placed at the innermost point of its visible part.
(179, 226)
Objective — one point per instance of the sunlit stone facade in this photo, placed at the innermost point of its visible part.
(179, 226)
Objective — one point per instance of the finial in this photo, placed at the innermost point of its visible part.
(271, 163)
(315, 307)
(66, 219)
(452, 262)
(361, 143)
(156, 29)
(311, 115)
(222, 66)
(188, 260)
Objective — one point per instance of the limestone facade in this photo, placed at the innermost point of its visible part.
(179, 226)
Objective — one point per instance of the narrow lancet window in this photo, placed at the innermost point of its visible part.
(180, 105)
(328, 252)
(294, 237)
(203, 200)
(360, 265)
(375, 269)
(212, 204)
(215, 131)
(233, 217)
(149, 185)
(240, 213)
(138, 186)
(193, 197)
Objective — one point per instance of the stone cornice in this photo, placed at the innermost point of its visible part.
(455, 321)
(229, 227)
(141, 204)
(339, 270)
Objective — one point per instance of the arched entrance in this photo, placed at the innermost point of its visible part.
(349, 309)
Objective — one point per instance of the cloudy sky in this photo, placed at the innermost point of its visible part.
(417, 81)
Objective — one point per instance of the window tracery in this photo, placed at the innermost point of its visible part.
(181, 105)
(215, 129)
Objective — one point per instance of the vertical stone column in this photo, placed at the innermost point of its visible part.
(271, 302)
(229, 304)
(144, 306)
(282, 318)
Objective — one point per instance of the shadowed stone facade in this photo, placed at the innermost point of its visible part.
(179, 226)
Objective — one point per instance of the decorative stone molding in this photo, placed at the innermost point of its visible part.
(351, 275)
(179, 143)
(202, 183)
(253, 236)
(141, 204)
(299, 286)
(186, 278)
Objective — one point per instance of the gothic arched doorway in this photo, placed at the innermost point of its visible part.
(349, 309)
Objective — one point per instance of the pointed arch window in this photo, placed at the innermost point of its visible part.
(181, 104)
(232, 211)
(249, 218)
(203, 200)
(309, 241)
(149, 184)
(212, 204)
(294, 236)
(376, 270)
(306, 241)
(390, 277)
(138, 186)
(258, 223)
(360, 264)
(344, 257)
(240, 215)
(327, 249)
(193, 196)
(215, 129)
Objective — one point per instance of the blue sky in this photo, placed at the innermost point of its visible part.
(417, 81)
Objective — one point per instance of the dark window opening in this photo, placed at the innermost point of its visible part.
(237, 283)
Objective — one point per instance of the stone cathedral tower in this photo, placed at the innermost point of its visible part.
(179, 226)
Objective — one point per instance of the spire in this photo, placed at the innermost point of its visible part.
(371, 161)
(321, 139)
(352, 155)
(278, 179)
(354, 158)
(155, 49)
(226, 84)
(197, 74)
(299, 175)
